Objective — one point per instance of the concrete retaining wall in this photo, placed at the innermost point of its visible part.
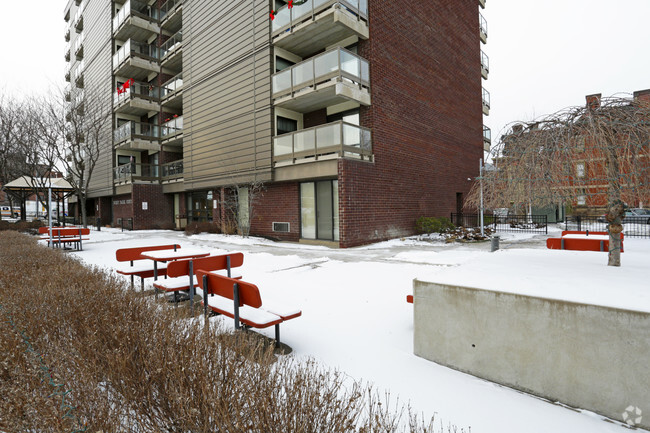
(585, 356)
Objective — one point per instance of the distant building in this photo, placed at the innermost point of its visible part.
(357, 116)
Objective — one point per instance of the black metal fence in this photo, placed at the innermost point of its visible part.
(504, 223)
(125, 223)
(631, 228)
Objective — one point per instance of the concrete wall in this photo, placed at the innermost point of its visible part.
(585, 356)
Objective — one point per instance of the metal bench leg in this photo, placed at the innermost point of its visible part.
(142, 283)
(132, 285)
(277, 333)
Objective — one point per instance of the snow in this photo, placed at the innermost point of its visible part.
(355, 317)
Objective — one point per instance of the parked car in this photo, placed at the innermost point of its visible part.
(637, 216)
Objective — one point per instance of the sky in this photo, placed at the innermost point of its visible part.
(544, 55)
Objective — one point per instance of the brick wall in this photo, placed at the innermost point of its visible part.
(160, 207)
(279, 203)
(426, 119)
(122, 207)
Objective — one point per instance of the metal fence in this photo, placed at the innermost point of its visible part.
(504, 223)
(125, 223)
(631, 228)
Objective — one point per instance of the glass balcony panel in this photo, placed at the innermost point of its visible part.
(173, 169)
(326, 63)
(283, 145)
(328, 135)
(121, 15)
(172, 44)
(305, 141)
(282, 81)
(173, 85)
(365, 71)
(168, 7)
(351, 136)
(350, 63)
(366, 140)
(303, 73)
(282, 19)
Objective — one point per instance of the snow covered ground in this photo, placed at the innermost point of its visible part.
(356, 319)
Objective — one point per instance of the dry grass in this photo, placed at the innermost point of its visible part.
(80, 352)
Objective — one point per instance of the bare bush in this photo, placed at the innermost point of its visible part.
(103, 358)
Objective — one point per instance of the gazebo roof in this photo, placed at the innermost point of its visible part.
(27, 183)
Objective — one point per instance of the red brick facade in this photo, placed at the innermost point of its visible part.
(278, 203)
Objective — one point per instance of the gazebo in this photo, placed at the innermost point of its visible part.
(24, 186)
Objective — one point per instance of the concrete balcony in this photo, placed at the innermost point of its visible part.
(66, 55)
(136, 60)
(137, 136)
(79, 20)
(171, 94)
(486, 102)
(171, 54)
(172, 171)
(485, 65)
(136, 20)
(316, 24)
(327, 79)
(313, 152)
(171, 15)
(137, 100)
(79, 46)
(78, 74)
(483, 34)
(487, 138)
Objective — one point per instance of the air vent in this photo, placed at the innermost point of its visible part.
(281, 227)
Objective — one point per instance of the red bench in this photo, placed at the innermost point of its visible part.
(179, 271)
(144, 268)
(409, 299)
(241, 301)
(581, 241)
(60, 236)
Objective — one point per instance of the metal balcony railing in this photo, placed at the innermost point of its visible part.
(136, 130)
(485, 61)
(172, 44)
(483, 25)
(172, 86)
(137, 90)
(172, 127)
(132, 171)
(486, 98)
(336, 63)
(137, 49)
(332, 138)
(169, 7)
(79, 18)
(172, 170)
(134, 8)
(287, 18)
(487, 134)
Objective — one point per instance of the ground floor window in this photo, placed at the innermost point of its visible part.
(319, 210)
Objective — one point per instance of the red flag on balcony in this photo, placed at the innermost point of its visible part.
(272, 15)
(290, 4)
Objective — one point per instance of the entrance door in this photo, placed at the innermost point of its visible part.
(319, 204)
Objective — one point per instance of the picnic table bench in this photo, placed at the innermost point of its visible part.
(60, 236)
(179, 271)
(581, 241)
(144, 268)
(242, 302)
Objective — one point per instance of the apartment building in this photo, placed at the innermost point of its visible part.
(356, 116)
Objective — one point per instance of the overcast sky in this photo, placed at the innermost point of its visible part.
(545, 55)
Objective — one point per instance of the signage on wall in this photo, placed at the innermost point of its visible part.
(145, 205)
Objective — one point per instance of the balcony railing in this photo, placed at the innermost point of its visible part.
(169, 7)
(136, 130)
(172, 44)
(79, 18)
(485, 62)
(336, 63)
(172, 170)
(133, 171)
(332, 138)
(287, 18)
(483, 27)
(172, 86)
(487, 134)
(486, 98)
(137, 90)
(172, 127)
(134, 8)
(133, 48)
(79, 47)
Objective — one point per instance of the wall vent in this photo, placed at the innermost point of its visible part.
(281, 227)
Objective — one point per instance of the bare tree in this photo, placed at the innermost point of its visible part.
(75, 131)
(601, 150)
(240, 204)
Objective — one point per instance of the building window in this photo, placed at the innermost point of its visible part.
(286, 125)
(580, 169)
(582, 200)
(349, 116)
(282, 63)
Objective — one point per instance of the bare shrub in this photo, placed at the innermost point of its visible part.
(104, 358)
